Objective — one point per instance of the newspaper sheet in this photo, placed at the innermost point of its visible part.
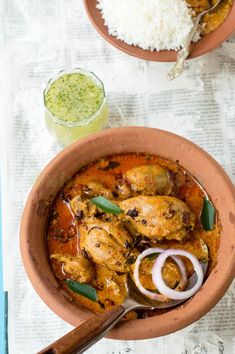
(38, 38)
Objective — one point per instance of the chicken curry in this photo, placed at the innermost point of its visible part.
(214, 19)
(157, 204)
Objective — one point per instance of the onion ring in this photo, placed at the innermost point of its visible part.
(160, 283)
(150, 294)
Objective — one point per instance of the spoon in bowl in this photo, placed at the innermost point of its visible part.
(88, 333)
(185, 51)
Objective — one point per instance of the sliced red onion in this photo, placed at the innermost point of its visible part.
(160, 283)
(150, 294)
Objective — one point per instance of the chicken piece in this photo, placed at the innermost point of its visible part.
(95, 188)
(106, 243)
(149, 180)
(112, 288)
(78, 268)
(157, 218)
(82, 208)
(195, 245)
(171, 273)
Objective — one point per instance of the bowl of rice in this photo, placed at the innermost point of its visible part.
(155, 30)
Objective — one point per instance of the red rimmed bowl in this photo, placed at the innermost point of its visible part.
(120, 140)
(205, 45)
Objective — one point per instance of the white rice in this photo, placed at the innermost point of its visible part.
(149, 24)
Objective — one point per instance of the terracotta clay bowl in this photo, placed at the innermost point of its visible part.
(120, 140)
(205, 45)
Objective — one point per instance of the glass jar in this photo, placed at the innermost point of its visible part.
(75, 105)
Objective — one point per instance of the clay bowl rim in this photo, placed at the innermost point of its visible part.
(205, 45)
(218, 280)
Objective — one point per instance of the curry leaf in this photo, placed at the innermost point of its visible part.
(106, 205)
(208, 215)
(82, 289)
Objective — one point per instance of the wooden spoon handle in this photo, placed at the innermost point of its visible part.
(88, 333)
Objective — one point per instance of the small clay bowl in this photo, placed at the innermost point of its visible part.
(120, 140)
(205, 45)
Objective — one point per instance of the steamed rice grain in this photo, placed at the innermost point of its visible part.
(148, 24)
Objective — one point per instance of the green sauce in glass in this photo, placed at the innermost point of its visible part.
(75, 105)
